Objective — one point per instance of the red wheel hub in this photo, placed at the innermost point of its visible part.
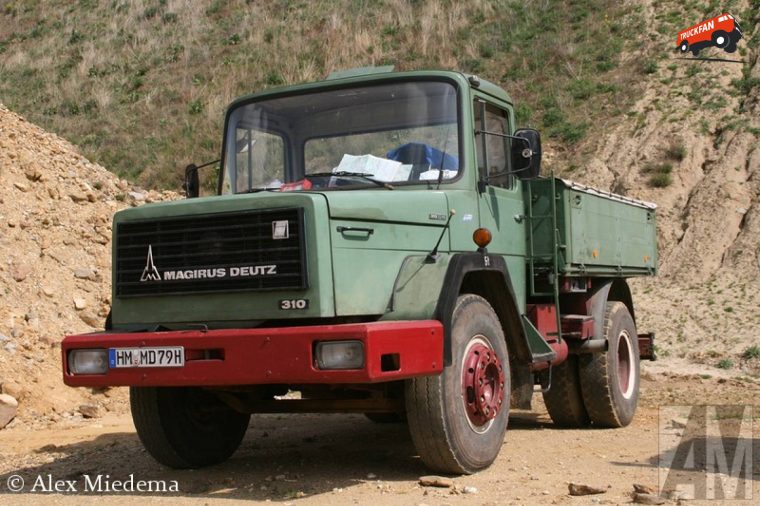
(482, 384)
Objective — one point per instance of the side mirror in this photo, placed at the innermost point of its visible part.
(526, 153)
(192, 182)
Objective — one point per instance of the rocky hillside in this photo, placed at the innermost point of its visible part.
(685, 136)
(691, 143)
(55, 268)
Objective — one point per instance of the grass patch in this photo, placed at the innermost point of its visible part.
(659, 174)
(725, 363)
(169, 69)
(676, 151)
(751, 352)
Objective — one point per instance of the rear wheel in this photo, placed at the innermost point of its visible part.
(684, 47)
(610, 380)
(186, 427)
(721, 39)
(458, 419)
(564, 399)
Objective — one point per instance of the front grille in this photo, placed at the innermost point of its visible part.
(211, 253)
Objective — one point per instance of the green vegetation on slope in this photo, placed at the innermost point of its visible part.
(141, 86)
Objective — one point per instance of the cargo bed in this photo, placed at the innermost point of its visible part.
(593, 232)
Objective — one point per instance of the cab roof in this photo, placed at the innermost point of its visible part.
(378, 74)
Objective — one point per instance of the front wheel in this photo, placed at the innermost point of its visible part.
(457, 419)
(610, 380)
(186, 427)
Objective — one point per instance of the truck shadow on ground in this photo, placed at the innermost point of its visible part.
(712, 467)
(282, 457)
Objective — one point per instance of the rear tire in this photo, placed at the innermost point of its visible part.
(457, 419)
(610, 380)
(186, 427)
(721, 39)
(564, 400)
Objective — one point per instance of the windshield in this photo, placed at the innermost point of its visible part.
(393, 133)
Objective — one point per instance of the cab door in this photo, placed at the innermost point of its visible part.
(500, 199)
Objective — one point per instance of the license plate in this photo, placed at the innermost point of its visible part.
(167, 356)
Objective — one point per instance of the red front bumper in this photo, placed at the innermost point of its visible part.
(276, 355)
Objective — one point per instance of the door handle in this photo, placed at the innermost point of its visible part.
(343, 230)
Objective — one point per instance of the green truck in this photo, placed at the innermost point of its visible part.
(380, 243)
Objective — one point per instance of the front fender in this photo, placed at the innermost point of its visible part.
(488, 276)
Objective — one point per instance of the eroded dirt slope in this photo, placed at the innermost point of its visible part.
(693, 121)
(55, 263)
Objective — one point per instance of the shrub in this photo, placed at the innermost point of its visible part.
(195, 107)
(660, 180)
(649, 67)
(659, 175)
(581, 89)
(725, 363)
(751, 352)
(676, 152)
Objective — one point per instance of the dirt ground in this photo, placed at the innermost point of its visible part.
(346, 459)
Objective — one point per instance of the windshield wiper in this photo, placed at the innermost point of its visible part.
(342, 173)
(257, 190)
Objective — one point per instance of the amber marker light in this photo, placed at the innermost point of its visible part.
(482, 237)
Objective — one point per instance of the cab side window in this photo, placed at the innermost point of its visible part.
(490, 141)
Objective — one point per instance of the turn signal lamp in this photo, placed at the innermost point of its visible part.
(482, 237)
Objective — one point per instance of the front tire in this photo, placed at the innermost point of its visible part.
(457, 419)
(186, 427)
(610, 380)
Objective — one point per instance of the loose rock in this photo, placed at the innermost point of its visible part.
(19, 272)
(436, 481)
(13, 389)
(640, 498)
(644, 489)
(84, 273)
(580, 489)
(89, 410)
(8, 409)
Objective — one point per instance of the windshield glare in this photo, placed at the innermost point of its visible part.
(394, 133)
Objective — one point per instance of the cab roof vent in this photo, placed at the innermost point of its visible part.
(361, 71)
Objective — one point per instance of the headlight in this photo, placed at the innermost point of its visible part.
(88, 361)
(340, 354)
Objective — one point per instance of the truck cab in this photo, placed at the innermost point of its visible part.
(381, 243)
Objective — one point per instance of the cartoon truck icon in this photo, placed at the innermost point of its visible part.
(722, 31)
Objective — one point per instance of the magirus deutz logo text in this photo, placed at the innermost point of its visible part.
(151, 272)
